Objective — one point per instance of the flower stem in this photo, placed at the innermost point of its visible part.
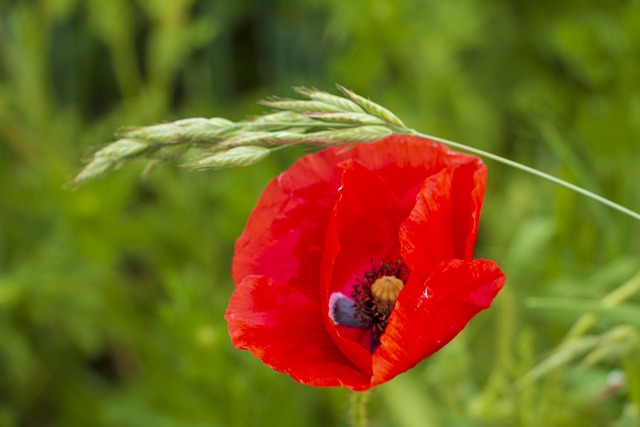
(536, 172)
(359, 409)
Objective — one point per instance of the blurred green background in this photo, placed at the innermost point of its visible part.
(112, 296)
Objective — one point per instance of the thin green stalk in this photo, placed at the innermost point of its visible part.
(612, 299)
(536, 172)
(359, 409)
(322, 119)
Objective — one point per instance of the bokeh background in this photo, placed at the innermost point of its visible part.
(112, 296)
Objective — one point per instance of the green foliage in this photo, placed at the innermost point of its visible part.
(112, 296)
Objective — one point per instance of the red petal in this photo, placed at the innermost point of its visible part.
(363, 226)
(283, 327)
(428, 315)
(284, 236)
(405, 162)
(469, 184)
(444, 221)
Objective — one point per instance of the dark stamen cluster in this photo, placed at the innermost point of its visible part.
(367, 309)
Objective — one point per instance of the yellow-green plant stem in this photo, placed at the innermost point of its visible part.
(612, 299)
(358, 410)
(536, 172)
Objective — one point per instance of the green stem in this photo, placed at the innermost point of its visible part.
(359, 408)
(612, 299)
(533, 171)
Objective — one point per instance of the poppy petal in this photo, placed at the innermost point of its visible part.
(363, 227)
(283, 327)
(284, 236)
(430, 314)
(444, 221)
(405, 162)
(468, 189)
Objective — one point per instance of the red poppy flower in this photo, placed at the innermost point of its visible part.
(355, 265)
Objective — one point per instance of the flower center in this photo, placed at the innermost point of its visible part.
(372, 300)
(375, 294)
(385, 292)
